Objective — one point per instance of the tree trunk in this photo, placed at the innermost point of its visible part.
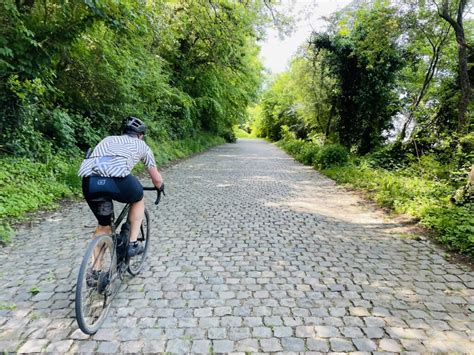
(436, 47)
(465, 87)
(463, 48)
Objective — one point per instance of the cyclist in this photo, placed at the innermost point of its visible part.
(107, 176)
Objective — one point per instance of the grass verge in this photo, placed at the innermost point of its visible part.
(240, 133)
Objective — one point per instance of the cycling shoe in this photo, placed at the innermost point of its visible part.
(136, 249)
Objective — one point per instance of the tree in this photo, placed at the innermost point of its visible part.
(452, 11)
(425, 39)
(364, 63)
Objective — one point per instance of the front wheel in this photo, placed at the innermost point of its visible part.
(93, 294)
(136, 263)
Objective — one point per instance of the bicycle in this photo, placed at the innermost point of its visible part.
(104, 266)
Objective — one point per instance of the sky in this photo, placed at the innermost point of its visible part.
(276, 52)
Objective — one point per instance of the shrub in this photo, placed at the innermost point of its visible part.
(389, 156)
(242, 133)
(332, 155)
(454, 224)
(229, 136)
(308, 153)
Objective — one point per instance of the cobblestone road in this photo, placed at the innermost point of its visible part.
(251, 252)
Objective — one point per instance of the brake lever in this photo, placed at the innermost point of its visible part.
(160, 191)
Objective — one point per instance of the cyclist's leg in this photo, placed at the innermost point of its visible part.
(131, 191)
(100, 204)
(102, 207)
(135, 217)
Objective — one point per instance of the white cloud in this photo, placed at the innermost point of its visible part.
(276, 52)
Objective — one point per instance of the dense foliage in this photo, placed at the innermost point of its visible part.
(387, 83)
(70, 71)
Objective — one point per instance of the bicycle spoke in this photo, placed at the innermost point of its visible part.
(136, 263)
(92, 302)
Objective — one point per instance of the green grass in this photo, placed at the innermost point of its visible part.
(7, 306)
(27, 186)
(34, 290)
(240, 133)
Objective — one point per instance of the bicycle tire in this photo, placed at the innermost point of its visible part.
(136, 263)
(90, 323)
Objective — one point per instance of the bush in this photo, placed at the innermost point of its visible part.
(454, 224)
(308, 153)
(390, 156)
(241, 133)
(229, 136)
(332, 155)
(293, 147)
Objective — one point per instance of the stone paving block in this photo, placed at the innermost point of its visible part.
(341, 345)
(412, 345)
(146, 322)
(105, 335)
(283, 332)
(326, 332)
(217, 333)
(174, 333)
(222, 346)
(305, 332)
(133, 347)
(82, 347)
(389, 345)
(351, 332)
(228, 321)
(129, 334)
(334, 322)
(154, 346)
(152, 334)
(247, 345)
(187, 322)
(270, 345)
(61, 346)
(167, 322)
(178, 346)
(238, 333)
(362, 344)
(201, 347)
(292, 344)
(9, 346)
(108, 347)
(261, 332)
(319, 345)
(203, 312)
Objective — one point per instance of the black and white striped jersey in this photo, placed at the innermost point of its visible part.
(115, 156)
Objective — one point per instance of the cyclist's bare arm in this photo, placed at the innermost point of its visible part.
(155, 176)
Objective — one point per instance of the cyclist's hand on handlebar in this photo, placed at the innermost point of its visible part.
(160, 190)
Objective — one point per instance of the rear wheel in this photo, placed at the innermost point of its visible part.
(93, 288)
(136, 263)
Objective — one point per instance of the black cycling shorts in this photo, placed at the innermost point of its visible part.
(100, 191)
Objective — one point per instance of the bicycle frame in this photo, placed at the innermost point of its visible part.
(124, 213)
